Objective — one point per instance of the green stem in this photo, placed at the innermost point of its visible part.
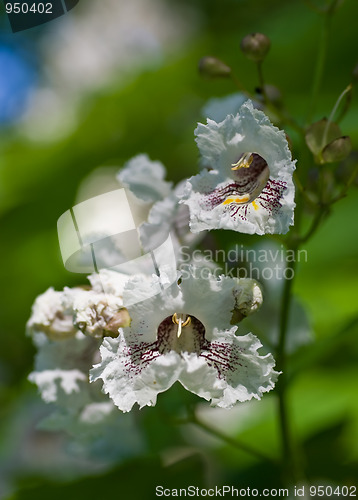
(350, 181)
(300, 187)
(239, 85)
(288, 457)
(229, 440)
(313, 7)
(315, 224)
(333, 112)
(321, 59)
(285, 310)
(261, 81)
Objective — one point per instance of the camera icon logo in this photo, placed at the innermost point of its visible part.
(103, 233)
(27, 14)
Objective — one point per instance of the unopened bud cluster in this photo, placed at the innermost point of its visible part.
(255, 46)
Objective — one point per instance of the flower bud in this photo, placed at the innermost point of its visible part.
(337, 150)
(211, 67)
(319, 135)
(274, 95)
(99, 315)
(255, 46)
(120, 319)
(248, 299)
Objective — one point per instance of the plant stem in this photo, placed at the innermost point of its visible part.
(261, 80)
(315, 224)
(239, 85)
(321, 59)
(350, 181)
(288, 458)
(285, 309)
(229, 440)
(333, 112)
(299, 185)
(314, 8)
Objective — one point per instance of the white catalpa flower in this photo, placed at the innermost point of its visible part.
(185, 334)
(250, 187)
(161, 213)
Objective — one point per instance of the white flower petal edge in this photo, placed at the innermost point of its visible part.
(218, 108)
(168, 216)
(184, 334)
(250, 188)
(145, 179)
(52, 314)
(224, 372)
(61, 369)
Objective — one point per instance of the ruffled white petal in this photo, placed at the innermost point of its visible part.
(57, 385)
(61, 369)
(247, 375)
(145, 179)
(200, 378)
(160, 223)
(108, 281)
(135, 374)
(210, 299)
(221, 144)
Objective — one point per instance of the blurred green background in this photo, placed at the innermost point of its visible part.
(66, 112)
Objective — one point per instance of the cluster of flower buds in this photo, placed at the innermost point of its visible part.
(326, 142)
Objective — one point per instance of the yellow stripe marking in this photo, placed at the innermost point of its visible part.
(241, 199)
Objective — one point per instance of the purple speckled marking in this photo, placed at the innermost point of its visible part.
(224, 357)
(269, 198)
(247, 181)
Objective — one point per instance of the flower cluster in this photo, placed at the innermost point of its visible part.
(137, 333)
